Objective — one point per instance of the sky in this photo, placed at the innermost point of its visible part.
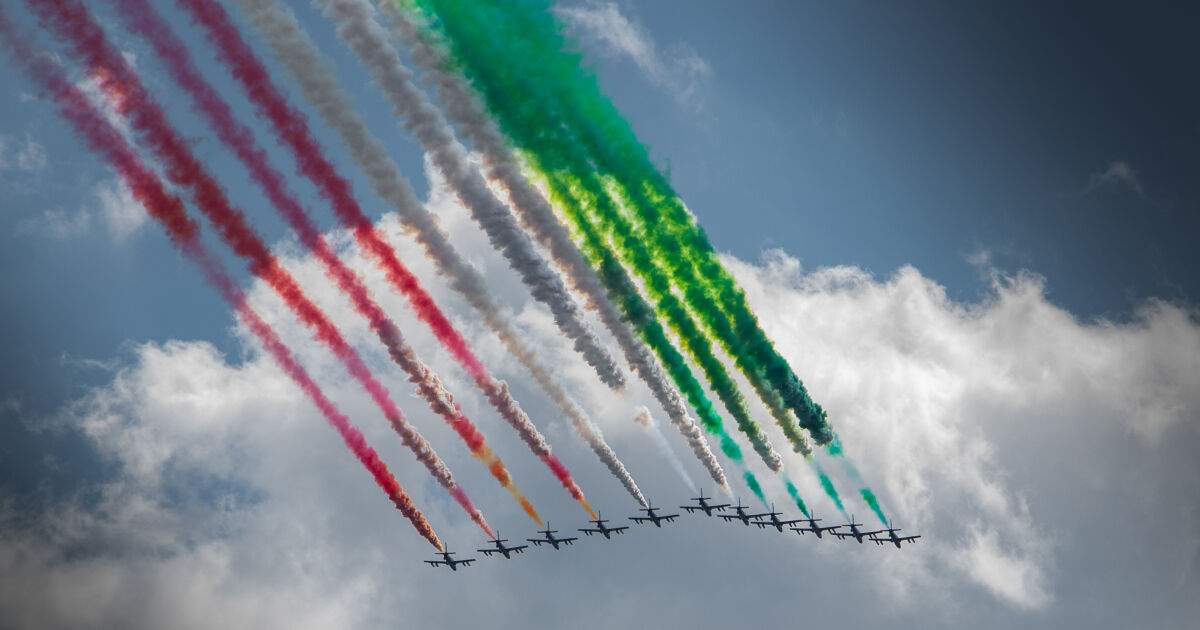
(969, 229)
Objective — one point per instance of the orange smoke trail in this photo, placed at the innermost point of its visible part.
(588, 506)
(532, 513)
(442, 403)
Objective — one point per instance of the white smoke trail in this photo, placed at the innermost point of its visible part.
(358, 29)
(642, 416)
(536, 216)
(298, 55)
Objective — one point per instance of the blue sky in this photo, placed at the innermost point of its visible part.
(970, 228)
(883, 134)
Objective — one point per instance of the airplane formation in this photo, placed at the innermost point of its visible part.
(763, 520)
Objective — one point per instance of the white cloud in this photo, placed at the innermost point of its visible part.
(122, 214)
(927, 391)
(57, 224)
(112, 204)
(1007, 572)
(1117, 173)
(32, 156)
(1013, 437)
(28, 156)
(680, 69)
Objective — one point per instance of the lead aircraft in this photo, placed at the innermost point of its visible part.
(774, 520)
(603, 529)
(652, 517)
(741, 514)
(450, 562)
(704, 505)
(812, 526)
(550, 539)
(854, 533)
(501, 549)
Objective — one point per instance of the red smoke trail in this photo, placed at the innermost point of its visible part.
(142, 18)
(72, 22)
(294, 132)
(102, 138)
(292, 128)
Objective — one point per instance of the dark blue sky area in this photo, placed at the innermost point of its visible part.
(882, 134)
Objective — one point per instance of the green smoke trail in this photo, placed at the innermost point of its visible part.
(576, 190)
(838, 452)
(583, 197)
(640, 317)
(752, 483)
(664, 222)
(580, 194)
(680, 245)
(716, 326)
(795, 494)
(827, 485)
(869, 497)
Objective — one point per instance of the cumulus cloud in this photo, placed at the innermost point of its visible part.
(1015, 438)
(931, 394)
(679, 69)
(111, 204)
(163, 544)
(121, 213)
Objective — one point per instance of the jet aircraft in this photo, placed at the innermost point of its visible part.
(892, 537)
(450, 562)
(550, 539)
(854, 533)
(652, 517)
(603, 529)
(704, 506)
(501, 549)
(741, 514)
(812, 526)
(774, 521)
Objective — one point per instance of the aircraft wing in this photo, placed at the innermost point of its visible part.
(639, 519)
(465, 562)
(843, 535)
(617, 530)
(434, 563)
(567, 540)
(718, 507)
(763, 523)
(536, 541)
(589, 532)
(691, 508)
(908, 538)
(488, 552)
(730, 517)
